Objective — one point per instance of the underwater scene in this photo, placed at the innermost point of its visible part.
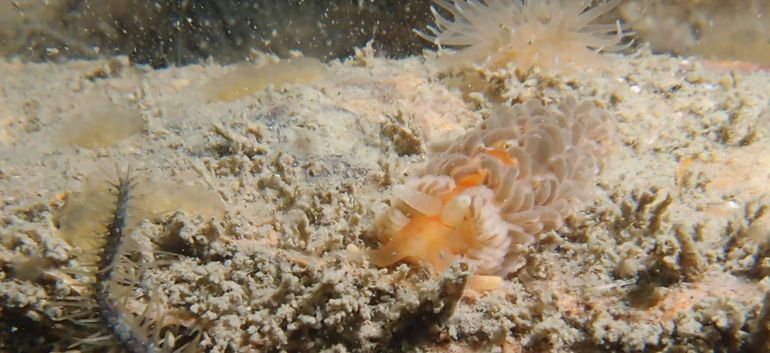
(513, 176)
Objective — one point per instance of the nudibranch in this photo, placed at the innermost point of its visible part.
(517, 175)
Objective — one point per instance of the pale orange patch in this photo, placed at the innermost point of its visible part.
(721, 285)
(469, 181)
(744, 172)
(482, 283)
(501, 155)
(463, 183)
(571, 306)
(733, 65)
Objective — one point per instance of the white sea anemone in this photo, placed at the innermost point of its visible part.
(525, 33)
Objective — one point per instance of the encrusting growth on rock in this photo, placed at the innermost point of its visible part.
(514, 177)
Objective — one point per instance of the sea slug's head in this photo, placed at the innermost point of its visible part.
(519, 174)
(525, 33)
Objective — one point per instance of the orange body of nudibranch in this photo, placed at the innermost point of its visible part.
(430, 238)
(517, 175)
(423, 239)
